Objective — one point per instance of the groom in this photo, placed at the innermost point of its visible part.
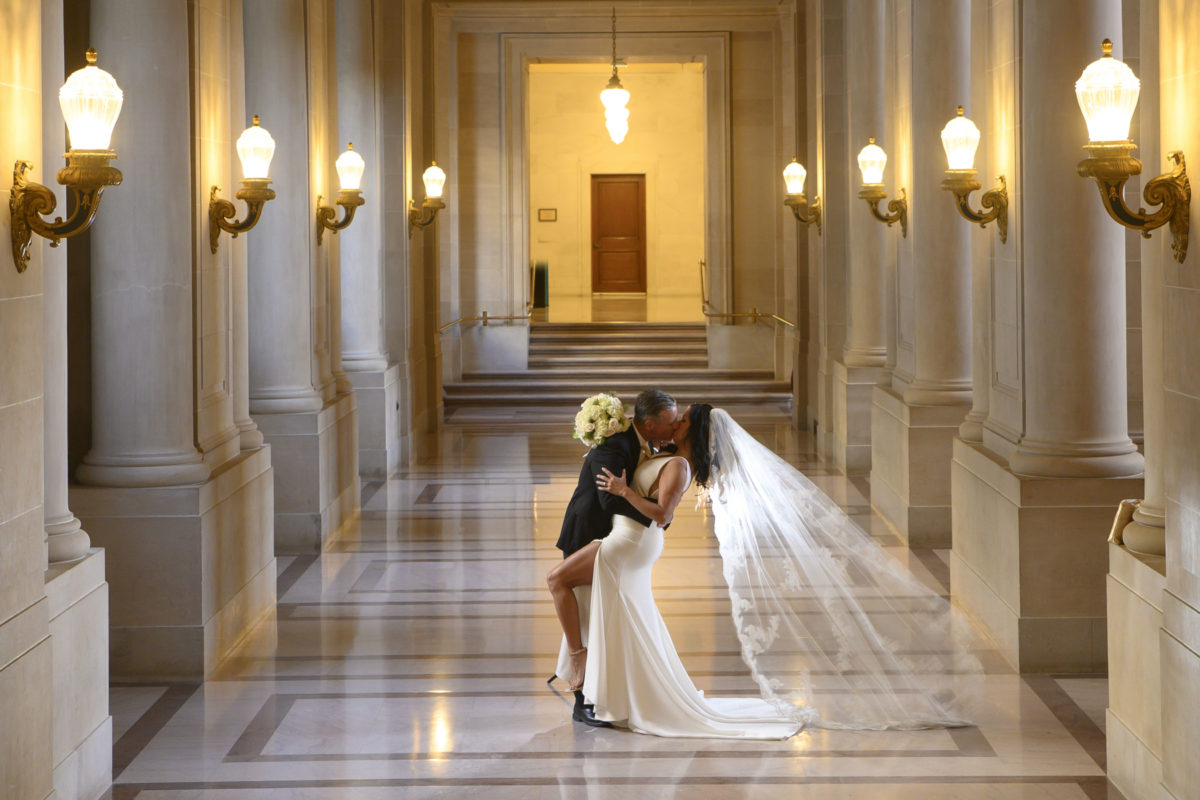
(590, 511)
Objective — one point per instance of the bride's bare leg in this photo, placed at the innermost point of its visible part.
(575, 570)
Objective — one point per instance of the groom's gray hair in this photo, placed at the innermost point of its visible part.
(650, 404)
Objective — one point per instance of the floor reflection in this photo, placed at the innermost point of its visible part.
(410, 660)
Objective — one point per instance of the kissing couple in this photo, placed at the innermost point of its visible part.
(833, 631)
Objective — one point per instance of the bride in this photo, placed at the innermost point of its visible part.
(835, 634)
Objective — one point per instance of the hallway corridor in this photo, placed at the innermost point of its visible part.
(410, 660)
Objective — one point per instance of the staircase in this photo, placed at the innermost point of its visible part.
(570, 361)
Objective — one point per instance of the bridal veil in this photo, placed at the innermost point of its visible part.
(835, 632)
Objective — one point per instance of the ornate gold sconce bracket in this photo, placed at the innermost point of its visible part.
(797, 203)
(254, 191)
(897, 209)
(86, 175)
(1113, 163)
(961, 182)
(422, 216)
(349, 200)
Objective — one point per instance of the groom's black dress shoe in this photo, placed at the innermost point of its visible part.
(583, 713)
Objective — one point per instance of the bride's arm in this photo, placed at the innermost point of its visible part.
(672, 483)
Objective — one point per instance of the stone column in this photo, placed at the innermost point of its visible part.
(142, 370)
(867, 246)
(364, 348)
(1146, 533)
(282, 272)
(941, 270)
(1033, 503)
(251, 438)
(1076, 412)
(866, 338)
(65, 538)
(305, 413)
(915, 415)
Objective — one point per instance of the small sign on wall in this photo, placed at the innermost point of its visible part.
(547, 215)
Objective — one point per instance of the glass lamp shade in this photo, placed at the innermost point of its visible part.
(960, 140)
(793, 176)
(616, 115)
(255, 149)
(435, 181)
(350, 167)
(871, 161)
(91, 102)
(1107, 92)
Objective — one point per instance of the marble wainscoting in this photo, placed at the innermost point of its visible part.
(409, 659)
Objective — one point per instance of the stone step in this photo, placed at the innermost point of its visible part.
(657, 338)
(624, 372)
(631, 347)
(716, 394)
(642, 360)
(632, 328)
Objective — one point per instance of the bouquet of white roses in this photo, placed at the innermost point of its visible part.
(599, 417)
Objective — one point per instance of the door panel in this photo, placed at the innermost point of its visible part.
(619, 233)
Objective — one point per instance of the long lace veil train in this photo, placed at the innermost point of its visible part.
(835, 632)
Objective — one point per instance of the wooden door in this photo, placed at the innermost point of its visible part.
(619, 233)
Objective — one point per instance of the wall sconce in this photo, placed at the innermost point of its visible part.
(350, 167)
(793, 177)
(255, 149)
(422, 216)
(1107, 92)
(871, 161)
(960, 140)
(91, 102)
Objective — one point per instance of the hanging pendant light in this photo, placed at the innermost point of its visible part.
(615, 97)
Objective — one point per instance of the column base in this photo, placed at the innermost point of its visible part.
(82, 730)
(377, 394)
(1030, 558)
(911, 451)
(142, 471)
(317, 487)
(191, 569)
(853, 388)
(971, 429)
(66, 540)
(1049, 460)
(1134, 728)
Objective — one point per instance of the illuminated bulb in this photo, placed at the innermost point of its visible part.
(255, 149)
(350, 167)
(90, 100)
(435, 180)
(1107, 92)
(616, 115)
(794, 175)
(960, 140)
(871, 161)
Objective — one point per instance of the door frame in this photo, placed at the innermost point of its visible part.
(713, 49)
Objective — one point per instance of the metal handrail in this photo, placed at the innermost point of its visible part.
(755, 314)
(485, 318)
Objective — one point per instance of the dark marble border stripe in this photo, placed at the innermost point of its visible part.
(140, 734)
(938, 568)
(1067, 711)
(287, 579)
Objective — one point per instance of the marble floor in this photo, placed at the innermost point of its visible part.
(410, 660)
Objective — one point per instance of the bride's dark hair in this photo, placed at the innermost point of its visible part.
(700, 426)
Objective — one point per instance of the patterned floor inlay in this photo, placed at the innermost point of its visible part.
(410, 660)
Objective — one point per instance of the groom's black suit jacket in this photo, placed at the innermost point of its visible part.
(590, 512)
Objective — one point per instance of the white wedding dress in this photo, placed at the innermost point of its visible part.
(634, 675)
